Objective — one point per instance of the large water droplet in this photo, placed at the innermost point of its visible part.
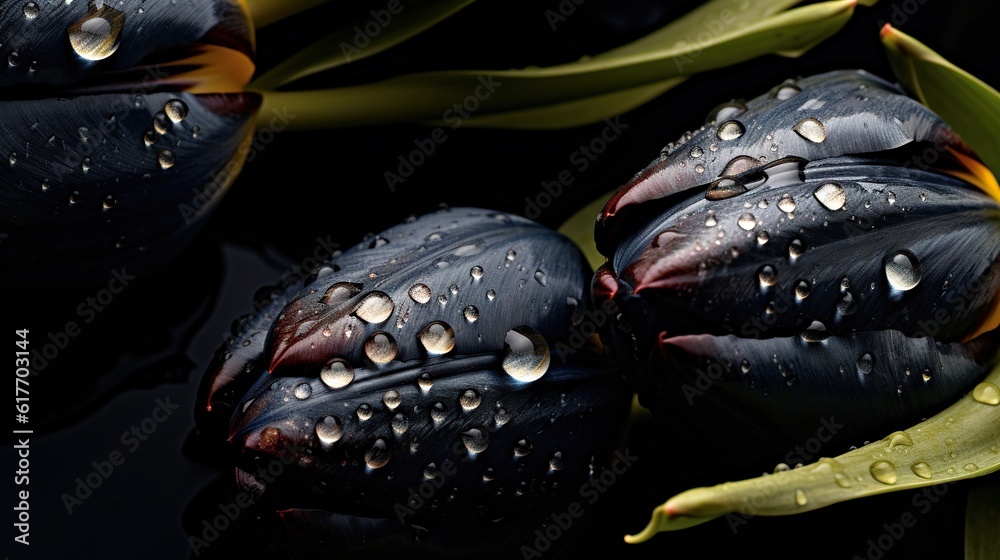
(725, 188)
(470, 399)
(747, 221)
(329, 429)
(831, 196)
(339, 293)
(378, 455)
(786, 204)
(730, 130)
(526, 355)
(437, 338)
(337, 374)
(810, 129)
(884, 472)
(815, 332)
(476, 272)
(902, 270)
(922, 469)
(176, 110)
(380, 348)
(476, 440)
(987, 393)
(98, 34)
(897, 439)
(375, 308)
(420, 293)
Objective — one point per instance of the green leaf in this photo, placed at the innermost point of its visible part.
(339, 47)
(442, 96)
(266, 12)
(966, 103)
(961, 442)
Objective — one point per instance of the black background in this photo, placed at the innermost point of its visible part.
(156, 338)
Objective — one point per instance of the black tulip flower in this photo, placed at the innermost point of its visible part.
(122, 125)
(415, 389)
(822, 251)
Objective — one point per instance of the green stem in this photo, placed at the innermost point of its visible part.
(266, 12)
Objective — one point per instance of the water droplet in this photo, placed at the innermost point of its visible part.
(740, 164)
(438, 412)
(166, 159)
(45, 185)
(846, 305)
(556, 463)
(897, 439)
(730, 130)
(420, 293)
(724, 188)
(891, 198)
(795, 249)
(727, 111)
(800, 498)
(925, 375)
(108, 203)
(453, 289)
(74, 197)
(831, 195)
(842, 480)
(802, 289)
(470, 399)
(767, 275)
(14, 59)
(30, 10)
(337, 373)
(329, 429)
(902, 270)
(400, 423)
(699, 168)
(471, 313)
(85, 165)
(540, 277)
(392, 399)
(866, 363)
(97, 35)
(378, 455)
(970, 467)
(491, 295)
(697, 152)
(302, 391)
(339, 293)
(710, 221)
(884, 472)
(786, 204)
(526, 354)
(437, 338)
(511, 255)
(763, 238)
(815, 332)
(747, 222)
(786, 91)
(810, 129)
(375, 308)
(162, 123)
(522, 447)
(488, 475)
(476, 272)
(196, 132)
(176, 110)
(987, 393)
(501, 417)
(923, 470)
(380, 348)
(364, 411)
(745, 366)
(476, 440)
(424, 382)
(149, 138)
(377, 242)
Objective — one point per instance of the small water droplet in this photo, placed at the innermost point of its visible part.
(501, 417)
(842, 480)
(471, 313)
(897, 439)
(522, 447)
(85, 165)
(329, 429)
(45, 185)
(339, 293)
(762, 238)
(526, 354)
(884, 472)
(810, 129)
(438, 412)
(162, 123)
(166, 159)
(730, 130)
(476, 272)
(923, 470)
(697, 152)
(800, 498)
(710, 221)
(767, 275)
(866, 363)
(724, 188)
(74, 197)
(795, 249)
(831, 195)
(846, 305)
(337, 373)
(540, 277)
(802, 289)
(176, 110)
(902, 270)
(380, 348)
(302, 391)
(424, 382)
(476, 440)
(420, 293)
(149, 138)
(511, 255)
(437, 338)
(815, 332)
(987, 393)
(491, 295)
(108, 203)
(925, 375)
(556, 463)
(400, 423)
(375, 307)
(30, 10)
(745, 366)
(392, 399)
(364, 411)
(786, 203)
(379, 454)
(699, 168)
(470, 399)
(747, 221)
(14, 59)
(786, 91)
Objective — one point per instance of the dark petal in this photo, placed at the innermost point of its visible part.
(782, 389)
(85, 194)
(78, 44)
(759, 271)
(857, 112)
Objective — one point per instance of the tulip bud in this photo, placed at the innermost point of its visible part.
(414, 387)
(820, 252)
